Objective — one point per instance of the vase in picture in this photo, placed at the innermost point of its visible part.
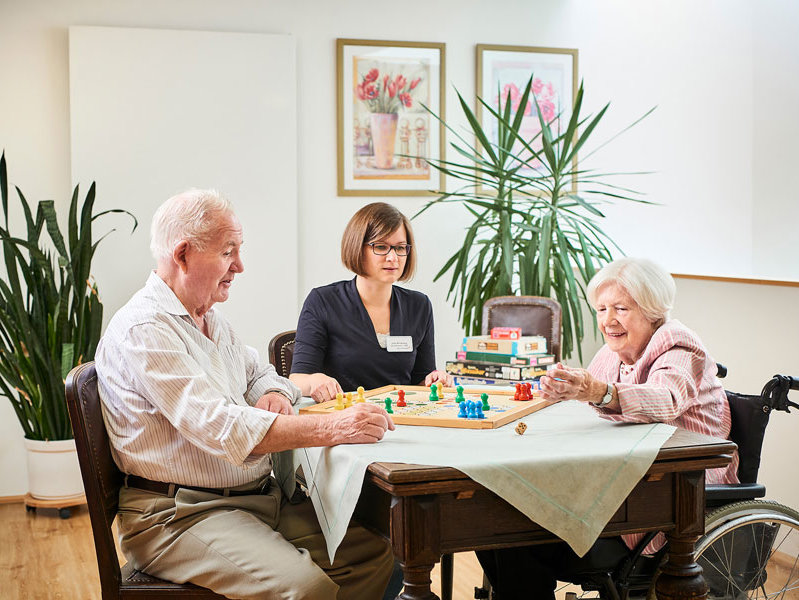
(384, 136)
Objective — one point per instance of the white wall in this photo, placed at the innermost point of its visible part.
(694, 59)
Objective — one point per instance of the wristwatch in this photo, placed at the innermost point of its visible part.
(606, 398)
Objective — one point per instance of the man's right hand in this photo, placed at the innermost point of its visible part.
(359, 424)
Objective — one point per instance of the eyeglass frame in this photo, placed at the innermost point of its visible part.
(390, 248)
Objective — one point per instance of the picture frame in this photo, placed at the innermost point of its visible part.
(502, 69)
(384, 133)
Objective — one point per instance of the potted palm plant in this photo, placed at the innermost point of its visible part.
(533, 233)
(50, 321)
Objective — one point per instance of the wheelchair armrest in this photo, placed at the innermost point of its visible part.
(730, 492)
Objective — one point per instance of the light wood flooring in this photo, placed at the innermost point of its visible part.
(44, 557)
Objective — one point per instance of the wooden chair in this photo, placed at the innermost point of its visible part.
(536, 315)
(281, 352)
(102, 480)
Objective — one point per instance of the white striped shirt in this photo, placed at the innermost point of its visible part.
(673, 382)
(178, 406)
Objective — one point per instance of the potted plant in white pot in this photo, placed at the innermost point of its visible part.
(50, 321)
(532, 234)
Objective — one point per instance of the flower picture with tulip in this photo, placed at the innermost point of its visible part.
(385, 133)
(386, 93)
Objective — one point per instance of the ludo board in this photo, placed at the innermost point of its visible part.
(444, 412)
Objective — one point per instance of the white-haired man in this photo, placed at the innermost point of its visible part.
(193, 416)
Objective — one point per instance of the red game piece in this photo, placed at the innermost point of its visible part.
(518, 394)
(401, 401)
(529, 387)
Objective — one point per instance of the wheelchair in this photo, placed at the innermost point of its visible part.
(750, 548)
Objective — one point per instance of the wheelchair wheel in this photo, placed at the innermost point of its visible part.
(751, 550)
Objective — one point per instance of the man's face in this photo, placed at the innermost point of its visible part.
(210, 272)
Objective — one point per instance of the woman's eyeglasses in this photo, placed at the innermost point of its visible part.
(382, 249)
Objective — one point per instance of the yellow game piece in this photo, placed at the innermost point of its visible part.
(348, 402)
(360, 397)
(440, 387)
(339, 401)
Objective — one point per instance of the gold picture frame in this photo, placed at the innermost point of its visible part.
(384, 133)
(503, 69)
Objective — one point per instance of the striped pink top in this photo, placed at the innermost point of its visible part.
(673, 382)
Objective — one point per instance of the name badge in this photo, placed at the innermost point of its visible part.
(399, 343)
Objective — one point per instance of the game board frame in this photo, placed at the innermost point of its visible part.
(492, 421)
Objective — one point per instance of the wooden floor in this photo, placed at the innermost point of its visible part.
(44, 557)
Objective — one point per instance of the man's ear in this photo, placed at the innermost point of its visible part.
(179, 255)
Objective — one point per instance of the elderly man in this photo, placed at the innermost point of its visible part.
(193, 417)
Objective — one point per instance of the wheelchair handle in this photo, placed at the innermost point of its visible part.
(775, 392)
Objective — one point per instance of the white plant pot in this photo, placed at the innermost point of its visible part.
(53, 470)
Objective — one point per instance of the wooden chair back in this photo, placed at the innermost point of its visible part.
(535, 315)
(101, 481)
(281, 352)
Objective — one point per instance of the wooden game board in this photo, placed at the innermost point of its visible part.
(443, 413)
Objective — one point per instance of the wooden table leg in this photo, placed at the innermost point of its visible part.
(447, 566)
(417, 583)
(415, 538)
(681, 578)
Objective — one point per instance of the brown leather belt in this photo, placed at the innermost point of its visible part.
(170, 489)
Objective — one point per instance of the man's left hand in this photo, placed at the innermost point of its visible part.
(275, 402)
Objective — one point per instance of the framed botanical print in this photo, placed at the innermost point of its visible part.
(386, 94)
(503, 73)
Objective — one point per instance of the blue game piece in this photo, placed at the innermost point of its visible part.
(462, 411)
(470, 409)
(478, 409)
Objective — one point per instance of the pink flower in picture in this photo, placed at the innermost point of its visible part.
(385, 93)
(538, 85)
(547, 109)
(371, 76)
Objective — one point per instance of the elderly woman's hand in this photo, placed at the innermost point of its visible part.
(569, 383)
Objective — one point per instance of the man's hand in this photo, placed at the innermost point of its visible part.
(275, 402)
(359, 424)
(442, 376)
(568, 383)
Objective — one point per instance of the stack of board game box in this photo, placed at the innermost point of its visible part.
(504, 357)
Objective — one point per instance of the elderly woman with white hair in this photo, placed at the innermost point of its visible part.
(651, 369)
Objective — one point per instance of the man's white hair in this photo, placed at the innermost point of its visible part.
(651, 287)
(192, 215)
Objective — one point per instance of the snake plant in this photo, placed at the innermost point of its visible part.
(50, 312)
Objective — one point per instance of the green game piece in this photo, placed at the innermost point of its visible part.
(459, 395)
(484, 398)
(388, 406)
(433, 393)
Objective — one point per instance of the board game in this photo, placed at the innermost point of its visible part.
(420, 410)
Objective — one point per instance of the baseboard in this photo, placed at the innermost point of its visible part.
(11, 499)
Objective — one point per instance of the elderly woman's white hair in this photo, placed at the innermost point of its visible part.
(192, 216)
(650, 286)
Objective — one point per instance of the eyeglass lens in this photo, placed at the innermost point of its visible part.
(383, 249)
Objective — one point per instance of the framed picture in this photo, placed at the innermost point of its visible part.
(384, 131)
(503, 70)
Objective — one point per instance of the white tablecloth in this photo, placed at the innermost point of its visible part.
(569, 472)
